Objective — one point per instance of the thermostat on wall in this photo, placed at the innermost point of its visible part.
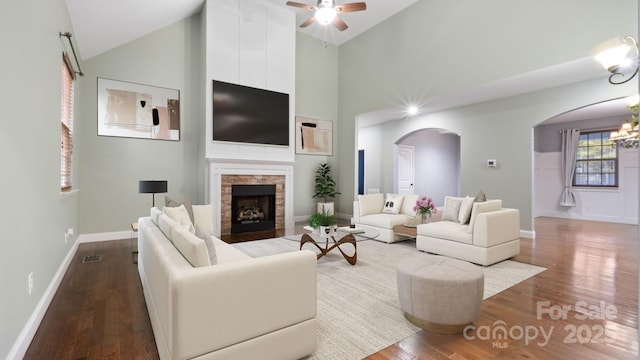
(492, 163)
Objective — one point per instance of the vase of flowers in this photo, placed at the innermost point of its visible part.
(425, 208)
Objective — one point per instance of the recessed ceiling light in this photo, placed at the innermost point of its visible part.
(412, 110)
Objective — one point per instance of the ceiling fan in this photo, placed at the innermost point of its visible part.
(326, 12)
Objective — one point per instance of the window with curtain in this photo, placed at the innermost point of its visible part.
(66, 122)
(597, 160)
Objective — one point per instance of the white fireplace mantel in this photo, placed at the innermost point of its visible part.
(218, 167)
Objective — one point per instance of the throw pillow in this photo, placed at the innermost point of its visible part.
(370, 204)
(465, 209)
(451, 208)
(392, 204)
(408, 202)
(481, 197)
(480, 207)
(178, 214)
(169, 202)
(211, 248)
(203, 217)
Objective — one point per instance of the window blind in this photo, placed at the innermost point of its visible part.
(66, 121)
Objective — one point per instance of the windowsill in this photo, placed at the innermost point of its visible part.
(67, 194)
(596, 189)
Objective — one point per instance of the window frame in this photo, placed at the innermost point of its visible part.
(68, 77)
(616, 172)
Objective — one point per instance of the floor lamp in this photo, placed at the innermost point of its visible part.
(152, 187)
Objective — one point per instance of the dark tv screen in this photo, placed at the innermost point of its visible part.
(250, 115)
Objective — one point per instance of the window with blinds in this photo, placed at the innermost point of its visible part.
(66, 122)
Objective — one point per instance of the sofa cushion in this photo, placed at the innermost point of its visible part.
(155, 212)
(211, 249)
(480, 207)
(191, 247)
(226, 253)
(370, 203)
(203, 217)
(465, 210)
(165, 223)
(451, 208)
(169, 202)
(408, 203)
(179, 214)
(384, 221)
(392, 204)
(448, 230)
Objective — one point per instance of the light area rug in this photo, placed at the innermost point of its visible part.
(358, 310)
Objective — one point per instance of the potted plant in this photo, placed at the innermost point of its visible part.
(325, 189)
(322, 221)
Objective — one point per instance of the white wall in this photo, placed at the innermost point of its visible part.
(613, 205)
(249, 43)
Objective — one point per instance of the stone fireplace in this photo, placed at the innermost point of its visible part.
(261, 197)
(250, 196)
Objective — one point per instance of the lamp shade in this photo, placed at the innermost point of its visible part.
(152, 186)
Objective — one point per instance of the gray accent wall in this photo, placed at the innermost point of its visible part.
(110, 167)
(434, 48)
(547, 138)
(36, 216)
(316, 98)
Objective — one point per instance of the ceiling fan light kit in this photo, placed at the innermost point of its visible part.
(326, 12)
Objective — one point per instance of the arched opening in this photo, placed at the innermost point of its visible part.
(611, 203)
(435, 169)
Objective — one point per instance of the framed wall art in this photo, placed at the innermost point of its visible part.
(138, 111)
(314, 137)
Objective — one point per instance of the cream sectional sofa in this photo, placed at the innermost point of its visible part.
(369, 213)
(492, 233)
(238, 308)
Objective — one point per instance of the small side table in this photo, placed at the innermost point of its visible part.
(134, 253)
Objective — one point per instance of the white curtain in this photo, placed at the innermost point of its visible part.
(570, 139)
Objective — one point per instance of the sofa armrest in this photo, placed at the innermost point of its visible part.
(217, 306)
(496, 227)
(356, 211)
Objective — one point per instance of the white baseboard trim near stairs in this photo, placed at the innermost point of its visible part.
(21, 345)
(527, 234)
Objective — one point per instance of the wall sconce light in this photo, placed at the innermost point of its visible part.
(621, 61)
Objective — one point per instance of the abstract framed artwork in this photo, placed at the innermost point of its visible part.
(138, 111)
(314, 137)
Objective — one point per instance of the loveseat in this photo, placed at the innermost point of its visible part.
(236, 308)
(479, 232)
(381, 213)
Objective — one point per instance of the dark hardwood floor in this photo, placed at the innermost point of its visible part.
(99, 310)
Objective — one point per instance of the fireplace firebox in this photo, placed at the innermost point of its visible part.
(253, 208)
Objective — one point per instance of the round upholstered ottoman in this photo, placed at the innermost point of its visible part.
(438, 293)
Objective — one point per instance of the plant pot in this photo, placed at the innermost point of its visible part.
(325, 208)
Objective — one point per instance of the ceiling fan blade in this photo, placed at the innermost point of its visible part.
(341, 25)
(309, 21)
(359, 6)
(302, 6)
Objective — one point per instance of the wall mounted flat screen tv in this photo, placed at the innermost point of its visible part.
(249, 115)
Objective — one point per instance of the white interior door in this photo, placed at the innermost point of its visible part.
(406, 171)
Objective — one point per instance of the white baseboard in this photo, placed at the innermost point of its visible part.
(528, 234)
(21, 345)
(609, 219)
(107, 236)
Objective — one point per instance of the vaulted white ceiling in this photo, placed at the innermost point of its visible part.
(99, 25)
